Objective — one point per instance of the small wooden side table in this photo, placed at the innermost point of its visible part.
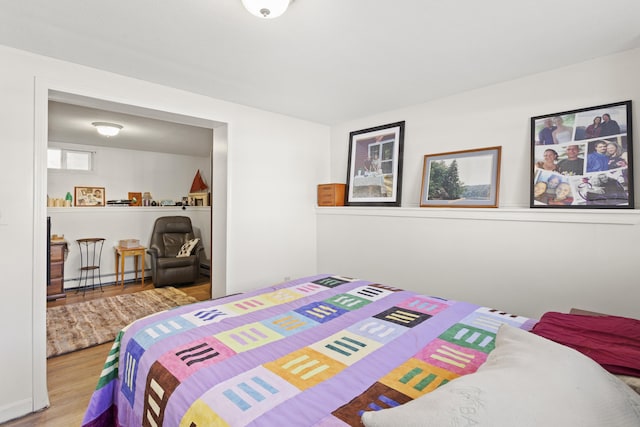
(121, 254)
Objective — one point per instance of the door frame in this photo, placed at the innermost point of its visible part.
(42, 90)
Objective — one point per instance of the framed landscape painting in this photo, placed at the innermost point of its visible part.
(462, 179)
(374, 173)
(583, 158)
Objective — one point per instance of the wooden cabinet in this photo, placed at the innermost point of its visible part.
(55, 287)
(331, 194)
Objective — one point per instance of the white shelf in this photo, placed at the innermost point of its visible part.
(581, 216)
(121, 209)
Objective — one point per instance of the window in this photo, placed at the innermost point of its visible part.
(54, 158)
(58, 158)
(384, 161)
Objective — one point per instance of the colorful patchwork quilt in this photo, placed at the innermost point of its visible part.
(316, 351)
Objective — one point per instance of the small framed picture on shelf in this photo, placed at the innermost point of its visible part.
(461, 179)
(89, 196)
(374, 173)
(583, 159)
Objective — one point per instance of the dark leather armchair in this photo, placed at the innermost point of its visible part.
(168, 236)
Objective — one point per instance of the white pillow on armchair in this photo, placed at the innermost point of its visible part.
(186, 249)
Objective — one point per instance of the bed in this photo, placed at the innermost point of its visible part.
(328, 350)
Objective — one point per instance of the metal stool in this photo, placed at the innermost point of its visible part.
(90, 254)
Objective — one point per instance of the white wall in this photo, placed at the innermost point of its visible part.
(514, 258)
(114, 224)
(274, 164)
(165, 176)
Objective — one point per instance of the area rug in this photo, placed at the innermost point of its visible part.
(88, 323)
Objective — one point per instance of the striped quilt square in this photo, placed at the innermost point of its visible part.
(378, 330)
(185, 360)
(305, 368)
(289, 323)
(491, 319)
(415, 378)
(247, 337)
(240, 399)
(346, 347)
(455, 358)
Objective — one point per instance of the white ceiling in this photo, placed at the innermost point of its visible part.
(327, 61)
(71, 116)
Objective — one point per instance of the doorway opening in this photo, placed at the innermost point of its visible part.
(217, 174)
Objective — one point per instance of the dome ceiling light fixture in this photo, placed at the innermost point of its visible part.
(266, 9)
(107, 129)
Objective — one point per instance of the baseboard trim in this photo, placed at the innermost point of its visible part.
(16, 410)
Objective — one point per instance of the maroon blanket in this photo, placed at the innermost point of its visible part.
(612, 341)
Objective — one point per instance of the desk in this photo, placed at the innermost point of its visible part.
(121, 254)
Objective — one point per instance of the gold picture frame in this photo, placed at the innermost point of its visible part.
(89, 196)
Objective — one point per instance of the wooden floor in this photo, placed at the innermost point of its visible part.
(72, 377)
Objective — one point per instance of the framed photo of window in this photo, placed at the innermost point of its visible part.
(374, 173)
(461, 179)
(583, 158)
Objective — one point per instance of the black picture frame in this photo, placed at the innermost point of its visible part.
(583, 159)
(374, 171)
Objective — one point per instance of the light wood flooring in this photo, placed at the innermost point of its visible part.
(72, 377)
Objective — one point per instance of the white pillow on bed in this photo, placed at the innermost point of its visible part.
(527, 380)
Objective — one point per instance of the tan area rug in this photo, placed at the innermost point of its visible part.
(85, 324)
